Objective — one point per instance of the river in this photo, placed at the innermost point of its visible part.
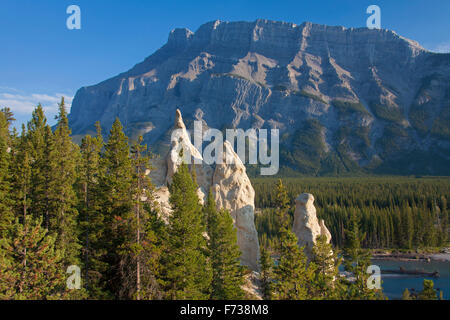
(394, 284)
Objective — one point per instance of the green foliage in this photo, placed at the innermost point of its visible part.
(356, 261)
(62, 197)
(227, 273)
(6, 215)
(89, 207)
(389, 140)
(419, 116)
(56, 196)
(141, 249)
(428, 292)
(266, 273)
(187, 270)
(21, 175)
(384, 204)
(116, 208)
(310, 95)
(440, 127)
(292, 277)
(347, 107)
(407, 295)
(40, 145)
(282, 203)
(419, 113)
(306, 148)
(387, 113)
(34, 269)
(326, 276)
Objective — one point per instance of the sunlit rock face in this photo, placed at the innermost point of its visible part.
(229, 183)
(356, 99)
(233, 191)
(306, 225)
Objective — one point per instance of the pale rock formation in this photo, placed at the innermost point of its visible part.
(228, 182)
(252, 286)
(233, 191)
(181, 148)
(306, 225)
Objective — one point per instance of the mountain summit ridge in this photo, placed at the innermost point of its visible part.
(344, 99)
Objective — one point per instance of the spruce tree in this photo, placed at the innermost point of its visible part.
(6, 201)
(154, 244)
(326, 261)
(35, 270)
(356, 261)
(282, 203)
(224, 253)
(116, 208)
(428, 292)
(89, 207)
(62, 197)
(292, 276)
(187, 269)
(21, 169)
(406, 295)
(41, 149)
(140, 249)
(266, 264)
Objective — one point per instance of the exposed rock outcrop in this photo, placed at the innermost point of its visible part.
(366, 98)
(252, 286)
(228, 182)
(306, 225)
(233, 191)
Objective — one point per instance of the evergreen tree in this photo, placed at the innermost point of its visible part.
(327, 263)
(282, 203)
(35, 270)
(292, 277)
(154, 244)
(444, 223)
(356, 261)
(428, 292)
(140, 248)
(6, 214)
(227, 273)
(89, 207)
(62, 197)
(407, 231)
(187, 269)
(266, 264)
(116, 209)
(406, 295)
(21, 168)
(40, 147)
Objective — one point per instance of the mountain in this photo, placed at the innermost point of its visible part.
(345, 100)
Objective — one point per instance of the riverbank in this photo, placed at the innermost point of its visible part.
(442, 255)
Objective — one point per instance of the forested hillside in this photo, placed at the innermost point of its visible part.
(81, 222)
(396, 212)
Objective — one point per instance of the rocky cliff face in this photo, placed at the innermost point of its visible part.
(306, 225)
(343, 99)
(229, 184)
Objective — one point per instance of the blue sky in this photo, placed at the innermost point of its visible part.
(41, 60)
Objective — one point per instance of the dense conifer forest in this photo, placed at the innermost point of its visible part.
(395, 212)
(81, 222)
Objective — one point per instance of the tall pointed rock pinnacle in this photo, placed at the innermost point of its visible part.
(306, 225)
(179, 124)
(228, 182)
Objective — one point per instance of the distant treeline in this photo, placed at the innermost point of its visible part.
(396, 212)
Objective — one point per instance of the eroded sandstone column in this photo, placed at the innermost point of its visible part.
(306, 225)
